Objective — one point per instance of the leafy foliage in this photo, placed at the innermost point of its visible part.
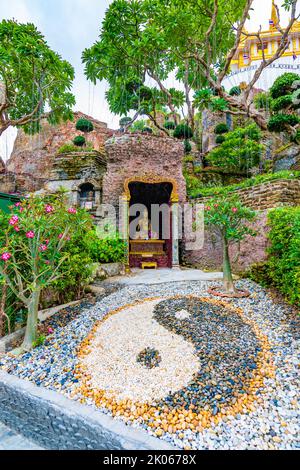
(230, 219)
(149, 39)
(221, 128)
(240, 150)
(84, 125)
(124, 121)
(228, 216)
(197, 189)
(285, 94)
(32, 243)
(79, 141)
(187, 147)
(235, 91)
(70, 147)
(37, 81)
(282, 269)
(183, 131)
(220, 139)
(280, 121)
(170, 125)
(262, 100)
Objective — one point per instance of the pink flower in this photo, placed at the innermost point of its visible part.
(50, 330)
(207, 208)
(17, 204)
(68, 238)
(14, 220)
(17, 228)
(234, 209)
(43, 248)
(60, 236)
(21, 209)
(216, 205)
(47, 242)
(30, 234)
(49, 209)
(47, 262)
(5, 256)
(72, 210)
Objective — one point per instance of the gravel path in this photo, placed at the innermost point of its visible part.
(268, 422)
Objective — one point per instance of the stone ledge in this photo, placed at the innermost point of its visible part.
(43, 315)
(57, 423)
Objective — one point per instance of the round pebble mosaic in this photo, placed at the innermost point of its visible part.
(234, 382)
(213, 361)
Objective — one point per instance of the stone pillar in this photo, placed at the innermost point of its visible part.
(124, 227)
(175, 234)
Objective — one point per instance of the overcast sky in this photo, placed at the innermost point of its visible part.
(70, 26)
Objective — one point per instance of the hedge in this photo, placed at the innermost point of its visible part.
(282, 269)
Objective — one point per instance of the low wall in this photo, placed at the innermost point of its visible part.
(57, 423)
(263, 196)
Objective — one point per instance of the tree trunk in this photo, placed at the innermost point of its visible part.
(32, 317)
(227, 274)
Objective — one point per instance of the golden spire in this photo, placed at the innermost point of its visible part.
(274, 17)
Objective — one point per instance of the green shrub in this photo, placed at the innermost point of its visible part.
(198, 189)
(147, 130)
(220, 139)
(84, 125)
(240, 150)
(279, 122)
(124, 121)
(235, 91)
(282, 269)
(183, 131)
(221, 128)
(187, 147)
(170, 125)
(282, 102)
(262, 100)
(104, 249)
(79, 141)
(283, 84)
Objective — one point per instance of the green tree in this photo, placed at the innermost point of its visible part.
(285, 103)
(33, 239)
(240, 150)
(35, 82)
(229, 219)
(160, 39)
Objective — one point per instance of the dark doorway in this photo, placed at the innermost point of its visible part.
(155, 236)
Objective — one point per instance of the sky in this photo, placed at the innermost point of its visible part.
(70, 26)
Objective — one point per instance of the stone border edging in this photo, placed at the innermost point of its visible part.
(55, 422)
(43, 315)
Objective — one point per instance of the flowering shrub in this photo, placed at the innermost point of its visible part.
(33, 242)
(228, 217)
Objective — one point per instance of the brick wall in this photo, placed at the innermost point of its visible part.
(131, 155)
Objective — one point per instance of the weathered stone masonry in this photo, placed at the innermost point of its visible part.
(252, 250)
(57, 423)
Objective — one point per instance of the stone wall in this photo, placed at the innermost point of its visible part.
(253, 249)
(57, 423)
(32, 157)
(140, 155)
(283, 192)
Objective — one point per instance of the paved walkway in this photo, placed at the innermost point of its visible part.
(161, 276)
(10, 440)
